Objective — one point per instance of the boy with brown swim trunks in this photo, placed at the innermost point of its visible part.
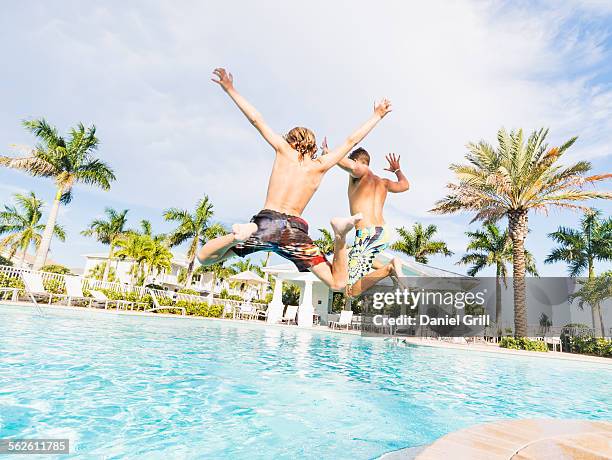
(296, 175)
(367, 194)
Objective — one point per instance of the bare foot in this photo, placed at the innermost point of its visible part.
(343, 225)
(397, 267)
(396, 271)
(242, 232)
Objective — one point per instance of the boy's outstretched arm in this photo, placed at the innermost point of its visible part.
(402, 184)
(352, 167)
(226, 81)
(337, 154)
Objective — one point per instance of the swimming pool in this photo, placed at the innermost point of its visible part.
(119, 385)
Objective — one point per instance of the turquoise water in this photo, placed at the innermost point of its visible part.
(121, 386)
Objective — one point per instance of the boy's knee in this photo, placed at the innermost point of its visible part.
(338, 286)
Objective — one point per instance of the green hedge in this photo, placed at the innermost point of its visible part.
(201, 309)
(522, 343)
(591, 346)
(191, 308)
(13, 282)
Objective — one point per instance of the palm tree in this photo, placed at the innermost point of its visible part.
(108, 232)
(243, 265)
(325, 242)
(195, 228)
(157, 258)
(22, 224)
(137, 248)
(418, 243)
(97, 272)
(68, 161)
(595, 291)
(492, 247)
(511, 180)
(582, 247)
(148, 252)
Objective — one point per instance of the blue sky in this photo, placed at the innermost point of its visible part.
(455, 72)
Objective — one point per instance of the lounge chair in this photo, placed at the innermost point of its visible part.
(262, 314)
(74, 290)
(35, 288)
(228, 309)
(99, 298)
(247, 310)
(290, 314)
(9, 290)
(157, 306)
(346, 319)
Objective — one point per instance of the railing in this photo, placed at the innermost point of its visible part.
(94, 284)
(14, 272)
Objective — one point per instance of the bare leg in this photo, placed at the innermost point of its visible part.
(219, 248)
(336, 274)
(393, 269)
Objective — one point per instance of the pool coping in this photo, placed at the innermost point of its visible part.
(406, 341)
(525, 439)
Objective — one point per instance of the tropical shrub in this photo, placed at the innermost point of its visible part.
(201, 309)
(54, 286)
(226, 295)
(591, 346)
(132, 297)
(522, 343)
(188, 291)
(574, 330)
(291, 294)
(11, 282)
(97, 273)
(56, 269)
(5, 261)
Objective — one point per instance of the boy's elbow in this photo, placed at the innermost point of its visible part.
(352, 141)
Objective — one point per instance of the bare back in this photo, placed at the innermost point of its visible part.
(292, 183)
(367, 195)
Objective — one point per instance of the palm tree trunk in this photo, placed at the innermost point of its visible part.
(147, 272)
(190, 272)
(45, 243)
(498, 304)
(191, 255)
(595, 309)
(517, 226)
(22, 258)
(601, 321)
(108, 263)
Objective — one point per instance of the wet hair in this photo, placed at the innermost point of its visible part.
(358, 153)
(303, 140)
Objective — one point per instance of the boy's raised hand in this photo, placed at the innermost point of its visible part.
(382, 108)
(324, 147)
(394, 162)
(225, 79)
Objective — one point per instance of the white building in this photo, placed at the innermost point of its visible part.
(316, 297)
(169, 278)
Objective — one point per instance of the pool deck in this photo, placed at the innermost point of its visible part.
(406, 341)
(524, 439)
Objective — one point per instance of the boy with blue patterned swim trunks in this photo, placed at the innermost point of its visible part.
(367, 194)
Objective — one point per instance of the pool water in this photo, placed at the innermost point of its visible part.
(125, 386)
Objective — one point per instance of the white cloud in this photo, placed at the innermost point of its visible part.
(455, 71)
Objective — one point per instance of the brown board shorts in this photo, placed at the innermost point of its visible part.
(284, 235)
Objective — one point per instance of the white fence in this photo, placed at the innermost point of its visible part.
(165, 297)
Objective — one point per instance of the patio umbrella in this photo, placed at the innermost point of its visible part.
(249, 277)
